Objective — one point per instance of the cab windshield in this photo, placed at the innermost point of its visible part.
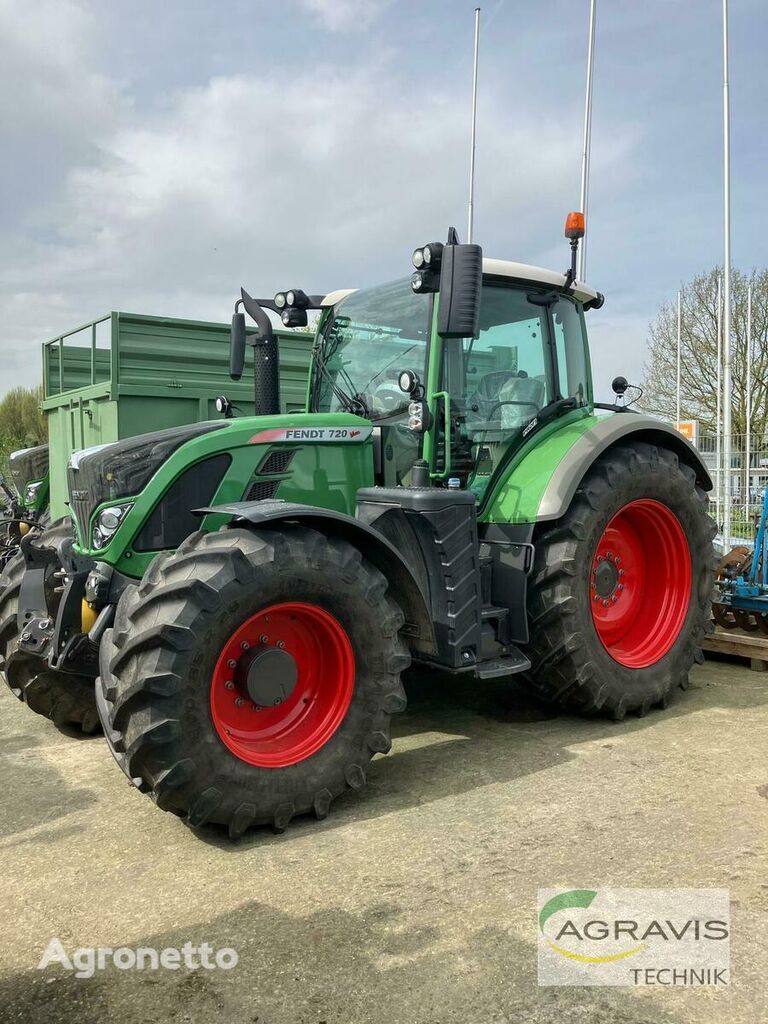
(373, 336)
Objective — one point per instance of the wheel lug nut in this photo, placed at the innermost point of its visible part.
(231, 663)
(263, 638)
(620, 586)
(276, 702)
(229, 685)
(597, 597)
(281, 644)
(239, 702)
(245, 645)
(621, 572)
(605, 604)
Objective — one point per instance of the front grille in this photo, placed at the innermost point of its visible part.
(276, 462)
(260, 490)
(82, 503)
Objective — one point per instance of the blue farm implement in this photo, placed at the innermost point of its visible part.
(742, 583)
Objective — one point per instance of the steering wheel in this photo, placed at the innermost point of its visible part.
(498, 405)
(387, 398)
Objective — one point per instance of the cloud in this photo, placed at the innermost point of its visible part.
(321, 179)
(345, 15)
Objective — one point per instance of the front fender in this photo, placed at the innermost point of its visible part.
(404, 586)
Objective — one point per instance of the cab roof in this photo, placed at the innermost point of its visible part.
(535, 275)
(504, 268)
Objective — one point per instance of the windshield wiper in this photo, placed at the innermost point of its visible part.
(352, 403)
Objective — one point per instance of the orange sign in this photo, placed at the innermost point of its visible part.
(689, 429)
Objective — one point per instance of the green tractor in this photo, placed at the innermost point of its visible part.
(27, 501)
(452, 495)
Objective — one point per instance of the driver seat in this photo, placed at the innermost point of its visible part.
(529, 392)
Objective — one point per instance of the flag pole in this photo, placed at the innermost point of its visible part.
(727, 382)
(679, 331)
(581, 267)
(718, 428)
(748, 429)
(471, 207)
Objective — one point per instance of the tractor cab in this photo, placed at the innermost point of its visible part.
(462, 399)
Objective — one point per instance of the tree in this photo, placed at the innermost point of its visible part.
(698, 376)
(22, 424)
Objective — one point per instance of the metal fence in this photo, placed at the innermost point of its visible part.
(747, 482)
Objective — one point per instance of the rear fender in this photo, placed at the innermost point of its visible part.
(404, 586)
(606, 433)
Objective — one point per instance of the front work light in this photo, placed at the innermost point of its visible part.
(418, 416)
(428, 255)
(296, 297)
(281, 300)
(433, 253)
(294, 317)
(425, 281)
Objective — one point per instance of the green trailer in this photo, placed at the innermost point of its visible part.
(126, 373)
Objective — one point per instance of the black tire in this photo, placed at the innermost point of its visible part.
(572, 667)
(158, 660)
(62, 697)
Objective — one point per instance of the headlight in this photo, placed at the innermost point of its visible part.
(107, 522)
(32, 491)
(433, 254)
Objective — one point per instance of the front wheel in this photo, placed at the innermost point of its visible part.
(251, 676)
(620, 593)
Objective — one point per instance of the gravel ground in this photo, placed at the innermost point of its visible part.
(415, 901)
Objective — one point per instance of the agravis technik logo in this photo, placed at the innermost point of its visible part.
(607, 936)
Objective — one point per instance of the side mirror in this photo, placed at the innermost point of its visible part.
(461, 280)
(237, 346)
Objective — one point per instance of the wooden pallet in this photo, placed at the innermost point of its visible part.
(745, 645)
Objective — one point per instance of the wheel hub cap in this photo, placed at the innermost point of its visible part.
(267, 675)
(605, 578)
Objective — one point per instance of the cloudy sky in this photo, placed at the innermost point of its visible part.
(158, 155)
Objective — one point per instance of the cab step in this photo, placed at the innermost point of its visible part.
(509, 665)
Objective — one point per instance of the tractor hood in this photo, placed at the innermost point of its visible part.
(28, 466)
(152, 483)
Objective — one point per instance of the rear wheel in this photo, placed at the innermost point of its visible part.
(619, 597)
(62, 697)
(252, 675)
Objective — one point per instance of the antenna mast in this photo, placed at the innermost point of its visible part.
(471, 211)
(587, 143)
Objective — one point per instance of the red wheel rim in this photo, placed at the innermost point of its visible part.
(640, 583)
(318, 648)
